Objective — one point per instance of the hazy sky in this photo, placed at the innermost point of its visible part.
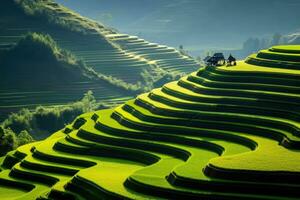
(196, 24)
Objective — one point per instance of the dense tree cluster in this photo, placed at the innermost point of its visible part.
(26, 126)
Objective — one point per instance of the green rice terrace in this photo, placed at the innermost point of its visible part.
(217, 133)
(127, 64)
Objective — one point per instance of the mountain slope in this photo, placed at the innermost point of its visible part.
(87, 39)
(36, 71)
(219, 133)
(134, 69)
(37, 60)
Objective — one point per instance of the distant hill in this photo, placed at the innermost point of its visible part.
(195, 24)
(126, 64)
(254, 44)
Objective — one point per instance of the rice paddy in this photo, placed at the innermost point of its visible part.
(217, 133)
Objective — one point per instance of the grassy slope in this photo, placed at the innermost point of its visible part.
(221, 133)
(128, 63)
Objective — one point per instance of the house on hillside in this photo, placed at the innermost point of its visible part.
(217, 59)
(231, 61)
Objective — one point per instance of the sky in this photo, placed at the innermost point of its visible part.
(195, 24)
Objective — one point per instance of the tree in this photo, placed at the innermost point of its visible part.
(89, 101)
(181, 47)
(24, 138)
(18, 121)
(8, 141)
(182, 51)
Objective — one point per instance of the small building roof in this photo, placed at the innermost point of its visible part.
(231, 58)
(218, 55)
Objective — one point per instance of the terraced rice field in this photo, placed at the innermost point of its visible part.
(165, 57)
(218, 133)
(106, 51)
(13, 99)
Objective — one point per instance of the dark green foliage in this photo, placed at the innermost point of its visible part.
(150, 79)
(166, 78)
(24, 138)
(37, 46)
(89, 102)
(156, 78)
(37, 59)
(8, 141)
(25, 126)
(47, 10)
(19, 121)
(46, 120)
(43, 120)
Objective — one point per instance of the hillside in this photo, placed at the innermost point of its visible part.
(218, 133)
(36, 60)
(125, 61)
(36, 71)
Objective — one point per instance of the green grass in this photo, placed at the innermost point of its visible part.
(222, 133)
(286, 49)
(277, 57)
(10, 193)
(242, 66)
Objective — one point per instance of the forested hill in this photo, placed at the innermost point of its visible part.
(128, 63)
(36, 60)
